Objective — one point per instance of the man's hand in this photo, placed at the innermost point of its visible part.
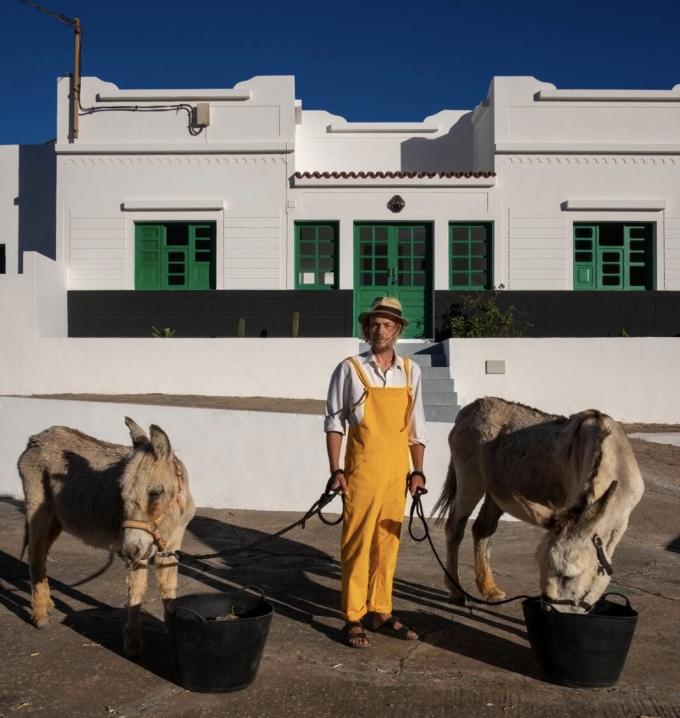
(415, 482)
(338, 483)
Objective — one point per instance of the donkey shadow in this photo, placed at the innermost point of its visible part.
(281, 567)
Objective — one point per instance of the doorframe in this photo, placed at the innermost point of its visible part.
(429, 292)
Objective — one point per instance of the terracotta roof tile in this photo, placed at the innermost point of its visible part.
(389, 174)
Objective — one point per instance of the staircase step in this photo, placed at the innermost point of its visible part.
(429, 360)
(435, 372)
(439, 398)
(437, 385)
(441, 414)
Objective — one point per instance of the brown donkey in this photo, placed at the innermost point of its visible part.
(131, 499)
(577, 477)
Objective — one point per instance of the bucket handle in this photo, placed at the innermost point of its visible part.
(192, 612)
(616, 593)
(253, 587)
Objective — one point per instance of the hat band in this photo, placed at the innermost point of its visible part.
(386, 309)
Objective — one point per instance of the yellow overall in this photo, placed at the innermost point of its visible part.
(376, 470)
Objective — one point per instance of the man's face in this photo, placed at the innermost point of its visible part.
(382, 332)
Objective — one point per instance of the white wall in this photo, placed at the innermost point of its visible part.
(617, 148)
(253, 113)
(631, 379)
(327, 143)
(236, 459)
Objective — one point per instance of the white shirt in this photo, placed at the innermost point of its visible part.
(346, 389)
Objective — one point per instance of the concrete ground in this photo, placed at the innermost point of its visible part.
(469, 661)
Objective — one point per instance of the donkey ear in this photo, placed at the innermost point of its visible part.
(139, 437)
(594, 511)
(160, 442)
(538, 513)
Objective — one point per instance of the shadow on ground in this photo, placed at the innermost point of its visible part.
(294, 577)
(301, 581)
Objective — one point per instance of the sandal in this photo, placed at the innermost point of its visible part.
(403, 633)
(352, 637)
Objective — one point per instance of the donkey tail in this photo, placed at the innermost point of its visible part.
(448, 495)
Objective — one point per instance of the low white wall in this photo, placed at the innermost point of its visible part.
(291, 368)
(631, 379)
(236, 459)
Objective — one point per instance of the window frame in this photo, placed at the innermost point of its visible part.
(193, 267)
(335, 244)
(469, 225)
(595, 265)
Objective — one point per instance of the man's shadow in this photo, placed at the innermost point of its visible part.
(286, 570)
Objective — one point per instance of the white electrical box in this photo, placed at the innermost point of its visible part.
(202, 114)
(495, 366)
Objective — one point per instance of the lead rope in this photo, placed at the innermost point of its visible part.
(417, 509)
(314, 510)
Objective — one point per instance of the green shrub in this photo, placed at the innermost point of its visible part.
(480, 316)
(163, 333)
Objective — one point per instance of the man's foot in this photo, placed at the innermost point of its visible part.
(389, 625)
(353, 635)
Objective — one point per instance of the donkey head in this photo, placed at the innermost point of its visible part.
(152, 490)
(574, 566)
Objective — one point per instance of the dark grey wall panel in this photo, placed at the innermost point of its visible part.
(37, 200)
(580, 314)
(209, 313)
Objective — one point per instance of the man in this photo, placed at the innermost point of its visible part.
(377, 393)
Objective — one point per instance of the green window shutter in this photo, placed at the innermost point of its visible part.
(316, 255)
(638, 266)
(149, 242)
(201, 259)
(470, 252)
(585, 256)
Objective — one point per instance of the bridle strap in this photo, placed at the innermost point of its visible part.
(605, 566)
(150, 527)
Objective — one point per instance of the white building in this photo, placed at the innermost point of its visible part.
(216, 212)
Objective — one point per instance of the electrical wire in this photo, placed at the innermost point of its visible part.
(71, 22)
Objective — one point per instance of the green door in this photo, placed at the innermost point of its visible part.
(610, 270)
(395, 260)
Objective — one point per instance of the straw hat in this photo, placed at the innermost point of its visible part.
(387, 307)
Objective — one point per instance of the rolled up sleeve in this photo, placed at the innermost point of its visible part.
(417, 423)
(336, 401)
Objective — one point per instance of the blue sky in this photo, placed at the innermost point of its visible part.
(367, 61)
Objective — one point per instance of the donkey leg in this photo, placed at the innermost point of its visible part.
(467, 496)
(483, 529)
(166, 568)
(40, 531)
(136, 583)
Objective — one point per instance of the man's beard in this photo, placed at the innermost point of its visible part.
(385, 343)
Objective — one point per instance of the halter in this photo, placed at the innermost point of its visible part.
(603, 567)
(151, 527)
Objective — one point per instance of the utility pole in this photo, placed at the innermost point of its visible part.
(74, 96)
(75, 79)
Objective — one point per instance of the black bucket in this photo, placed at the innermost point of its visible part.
(218, 639)
(585, 650)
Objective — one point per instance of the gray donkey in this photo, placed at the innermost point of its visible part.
(131, 499)
(577, 477)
